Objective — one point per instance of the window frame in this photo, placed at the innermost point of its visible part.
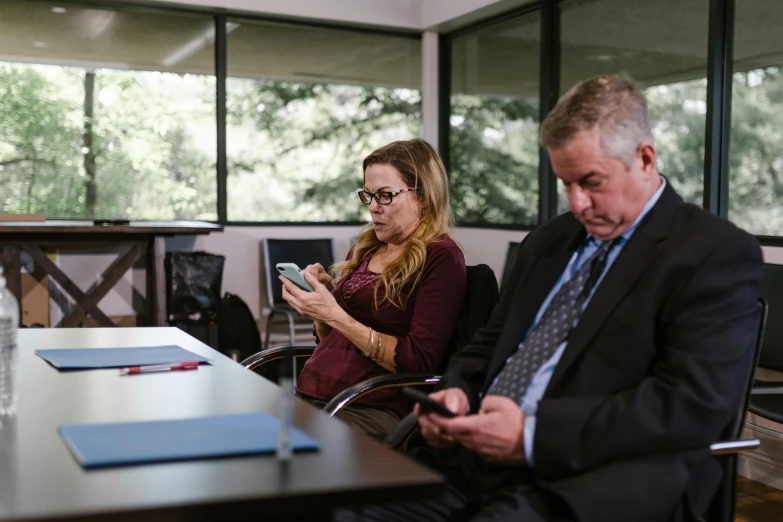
(719, 80)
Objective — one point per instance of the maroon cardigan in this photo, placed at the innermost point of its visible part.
(423, 329)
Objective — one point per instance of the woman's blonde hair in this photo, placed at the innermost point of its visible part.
(421, 168)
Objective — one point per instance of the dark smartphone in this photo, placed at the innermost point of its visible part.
(108, 222)
(426, 404)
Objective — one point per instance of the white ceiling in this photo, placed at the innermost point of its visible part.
(415, 15)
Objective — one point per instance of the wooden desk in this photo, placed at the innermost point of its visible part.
(39, 478)
(140, 238)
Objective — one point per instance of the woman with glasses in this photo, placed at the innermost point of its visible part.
(395, 304)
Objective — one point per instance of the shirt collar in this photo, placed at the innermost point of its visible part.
(625, 236)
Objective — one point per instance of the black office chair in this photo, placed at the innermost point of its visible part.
(511, 258)
(193, 287)
(302, 252)
(723, 503)
(480, 298)
(767, 396)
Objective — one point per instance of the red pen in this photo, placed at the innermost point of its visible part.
(160, 368)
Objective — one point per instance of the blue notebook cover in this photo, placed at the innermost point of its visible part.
(99, 445)
(90, 358)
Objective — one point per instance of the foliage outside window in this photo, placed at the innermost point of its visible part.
(299, 124)
(493, 145)
(663, 47)
(94, 125)
(756, 162)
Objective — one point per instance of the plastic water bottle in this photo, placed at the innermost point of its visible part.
(9, 323)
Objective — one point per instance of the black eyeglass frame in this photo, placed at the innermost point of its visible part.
(377, 196)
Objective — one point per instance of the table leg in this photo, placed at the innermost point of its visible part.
(108, 279)
(69, 286)
(156, 282)
(12, 270)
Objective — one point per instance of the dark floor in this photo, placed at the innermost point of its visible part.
(757, 502)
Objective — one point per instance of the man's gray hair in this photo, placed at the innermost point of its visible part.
(614, 104)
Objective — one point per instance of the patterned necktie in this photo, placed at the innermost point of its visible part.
(555, 325)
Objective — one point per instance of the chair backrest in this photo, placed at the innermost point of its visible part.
(303, 252)
(772, 291)
(193, 286)
(511, 257)
(481, 296)
(723, 503)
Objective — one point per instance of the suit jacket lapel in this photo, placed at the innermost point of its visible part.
(531, 292)
(642, 248)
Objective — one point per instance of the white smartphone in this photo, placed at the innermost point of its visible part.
(292, 272)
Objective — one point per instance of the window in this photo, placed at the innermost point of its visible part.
(305, 106)
(756, 164)
(663, 47)
(493, 143)
(106, 113)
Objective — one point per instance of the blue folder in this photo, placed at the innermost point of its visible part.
(88, 358)
(100, 445)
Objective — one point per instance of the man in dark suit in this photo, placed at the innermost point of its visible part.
(617, 353)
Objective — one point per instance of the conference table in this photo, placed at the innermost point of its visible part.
(41, 480)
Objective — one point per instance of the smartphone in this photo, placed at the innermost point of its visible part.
(292, 272)
(108, 222)
(426, 404)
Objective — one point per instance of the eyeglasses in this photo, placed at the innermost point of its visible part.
(382, 198)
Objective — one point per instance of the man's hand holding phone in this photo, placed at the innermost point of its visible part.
(496, 431)
(432, 424)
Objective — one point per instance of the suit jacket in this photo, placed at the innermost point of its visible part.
(652, 373)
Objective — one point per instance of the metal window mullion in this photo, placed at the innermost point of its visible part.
(444, 100)
(720, 56)
(549, 80)
(220, 93)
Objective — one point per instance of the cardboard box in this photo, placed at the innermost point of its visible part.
(22, 217)
(35, 298)
(123, 321)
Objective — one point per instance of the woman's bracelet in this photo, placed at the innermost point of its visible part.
(368, 353)
(374, 352)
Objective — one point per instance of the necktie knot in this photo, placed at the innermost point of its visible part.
(597, 265)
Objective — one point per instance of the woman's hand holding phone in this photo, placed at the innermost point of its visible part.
(319, 304)
(321, 274)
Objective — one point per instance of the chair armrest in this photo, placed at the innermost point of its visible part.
(734, 447)
(347, 396)
(767, 388)
(273, 354)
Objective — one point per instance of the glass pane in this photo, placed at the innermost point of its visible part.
(756, 175)
(662, 46)
(106, 114)
(305, 106)
(494, 123)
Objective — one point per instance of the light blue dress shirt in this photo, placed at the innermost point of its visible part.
(538, 385)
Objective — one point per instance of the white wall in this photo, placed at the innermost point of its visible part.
(242, 273)
(447, 15)
(400, 14)
(243, 269)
